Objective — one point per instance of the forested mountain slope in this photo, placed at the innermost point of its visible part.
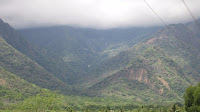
(158, 69)
(51, 62)
(13, 88)
(82, 48)
(132, 63)
(15, 62)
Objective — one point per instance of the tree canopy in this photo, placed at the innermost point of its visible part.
(192, 99)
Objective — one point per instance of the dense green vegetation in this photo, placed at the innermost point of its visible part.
(145, 79)
(83, 49)
(50, 61)
(97, 70)
(14, 89)
(192, 99)
(18, 95)
(25, 97)
(153, 69)
(19, 64)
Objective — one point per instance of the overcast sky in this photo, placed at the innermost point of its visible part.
(95, 13)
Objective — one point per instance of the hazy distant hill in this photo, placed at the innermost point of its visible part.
(84, 49)
(51, 62)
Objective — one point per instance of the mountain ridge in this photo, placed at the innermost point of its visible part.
(167, 63)
(14, 61)
(143, 67)
(48, 60)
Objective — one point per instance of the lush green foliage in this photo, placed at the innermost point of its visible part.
(42, 102)
(83, 49)
(19, 64)
(154, 69)
(14, 89)
(192, 99)
(149, 73)
(18, 95)
(50, 61)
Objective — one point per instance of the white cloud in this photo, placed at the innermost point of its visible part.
(94, 13)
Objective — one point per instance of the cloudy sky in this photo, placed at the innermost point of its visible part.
(95, 13)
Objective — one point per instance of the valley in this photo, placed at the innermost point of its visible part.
(87, 69)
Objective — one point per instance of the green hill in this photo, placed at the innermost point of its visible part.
(19, 64)
(17, 95)
(13, 88)
(139, 68)
(82, 48)
(156, 70)
(50, 61)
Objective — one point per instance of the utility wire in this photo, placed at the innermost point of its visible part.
(193, 17)
(156, 14)
(159, 17)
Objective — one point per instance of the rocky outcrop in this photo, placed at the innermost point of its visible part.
(2, 82)
(164, 82)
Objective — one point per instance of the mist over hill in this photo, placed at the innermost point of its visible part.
(134, 65)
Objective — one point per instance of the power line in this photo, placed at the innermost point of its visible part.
(159, 17)
(156, 14)
(193, 17)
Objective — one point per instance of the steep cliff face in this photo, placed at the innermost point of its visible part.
(136, 74)
(141, 75)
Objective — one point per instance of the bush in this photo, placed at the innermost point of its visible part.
(192, 99)
(42, 102)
